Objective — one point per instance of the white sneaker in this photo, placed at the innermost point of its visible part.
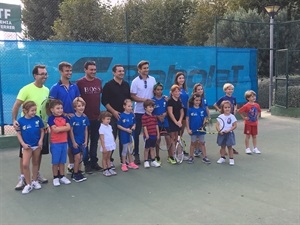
(27, 189)
(65, 180)
(248, 151)
(155, 164)
(221, 160)
(41, 179)
(106, 173)
(112, 172)
(146, 164)
(255, 150)
(36, 185)
(231, 162)
(56, 182)
(21, 183)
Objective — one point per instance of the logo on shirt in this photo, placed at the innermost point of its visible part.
(37, 123)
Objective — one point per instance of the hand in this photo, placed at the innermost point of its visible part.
(190, 131)
(116, 114)
(129, 130)
(69, 115)
(25, 146)
(84, 144)
(40, 144)
(147, 137)
(75, 145)
(179, 124)
(16, 125)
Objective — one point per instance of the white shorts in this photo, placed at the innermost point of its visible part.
(32, 147)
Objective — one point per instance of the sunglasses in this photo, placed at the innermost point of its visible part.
(145, 83)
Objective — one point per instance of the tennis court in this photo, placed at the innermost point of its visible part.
(258, 189)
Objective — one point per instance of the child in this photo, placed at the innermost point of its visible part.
(30, 136)
(250, 112)
(78, 136)
(225, 127)
(175, 117)
(59, 127)
(198, 88)
(160, 111)
(126, 124)
(195, 120)
(107, 143)
(228, 89)
(151, 134)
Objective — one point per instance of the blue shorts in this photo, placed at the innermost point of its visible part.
(226, 139)
(59, 152)
(151, 142)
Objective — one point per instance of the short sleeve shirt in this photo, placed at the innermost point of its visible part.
(79, 124)
(177, 106)
(58, 121)
(126, 121)
(252, 111)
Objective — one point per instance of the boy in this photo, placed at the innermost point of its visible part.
(250, 112)
(58, 141)
(151, 134)
(228, 88)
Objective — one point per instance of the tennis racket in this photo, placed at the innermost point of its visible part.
(220, 124)
(45, 110)
(83, 153)
(131, 144)
(179, 150)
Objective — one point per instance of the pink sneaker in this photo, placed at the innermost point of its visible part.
(132, 165)
(124, 168)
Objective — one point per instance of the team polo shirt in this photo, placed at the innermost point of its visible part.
(114, 94)
(66, 95)
(231, 99)
(58, 121)
(196, 118)
(78, 125)
(142, 89)
(126, 121)
(150, 122)
(160, 107)
(184, 96)
(30, 92)
(252, 111)
(31, 130)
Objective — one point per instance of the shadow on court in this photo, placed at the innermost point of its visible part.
(258, 189)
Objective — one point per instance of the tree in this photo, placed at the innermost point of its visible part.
(38, 17)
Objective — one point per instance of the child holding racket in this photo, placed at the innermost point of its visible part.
(126, 125)
(107, 143)
(151, 134)
(78, 137)
(195, 120)
(160, 111)
(250, 112)
(30, 135)
(226, 123)
(228, 88)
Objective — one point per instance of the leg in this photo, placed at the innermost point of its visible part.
(137, 132)
(35, 163)
(77, 159)
(27, 153)
(94, 137)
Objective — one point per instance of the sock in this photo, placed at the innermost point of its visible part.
(158, 158)
(55, 177)
(223, 157)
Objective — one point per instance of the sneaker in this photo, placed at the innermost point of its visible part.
(157, 159)
(70, 169)
(88, 169)
(172, 161)
(21, 184)
(197, 153)
(112, 172)
(221, 160)
(27, 189)
(124, 168)
(255, 150)
(106, 173)
(146, 164)
(206, 160)
(185, 153)
(97, 168)
(112, 166)
(190, 160)
(248, 151)
(79, 177)
(64, 180)
(36, 185)
(231, 162)
(185, 158)
(155, 164)
(137, 160)
(56, 182)
(133, 166)
(41, 179)
(235, 151)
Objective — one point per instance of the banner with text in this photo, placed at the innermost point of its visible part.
(10, 18)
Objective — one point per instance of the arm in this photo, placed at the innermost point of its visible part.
(86, 135)
(42, 133)
(57, 129)
(157, 131)
(217, 107)
(188, 125)
(75, 145)
(135, 98)
(15, 111)
(114, 112)
(128, 130)
(101, 137)
(146, 132)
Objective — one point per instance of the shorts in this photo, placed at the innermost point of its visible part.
(150, 142)
(173, 127)
(250, 130)
(195, 137)
(33, 148)
(80, 149)
(45, 148)
(226, 139)
(163, 131)
(59, 152)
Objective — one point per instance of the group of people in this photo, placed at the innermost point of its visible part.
(76, 124)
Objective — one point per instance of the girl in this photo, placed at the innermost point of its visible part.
(195, 120)
(225, 127)
(126, 125)
(160, 111)
(107, 142)
(30, 136)
(176, 113)
(198, 88)
(180, 81)
(79, 137)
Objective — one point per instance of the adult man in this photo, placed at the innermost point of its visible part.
(114, 93)
(141, 89)
(90, 88)
(66, 91)
(37, 92)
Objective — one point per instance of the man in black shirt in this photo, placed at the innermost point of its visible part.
(114, 93)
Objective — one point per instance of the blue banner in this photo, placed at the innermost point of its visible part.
(208, 65)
